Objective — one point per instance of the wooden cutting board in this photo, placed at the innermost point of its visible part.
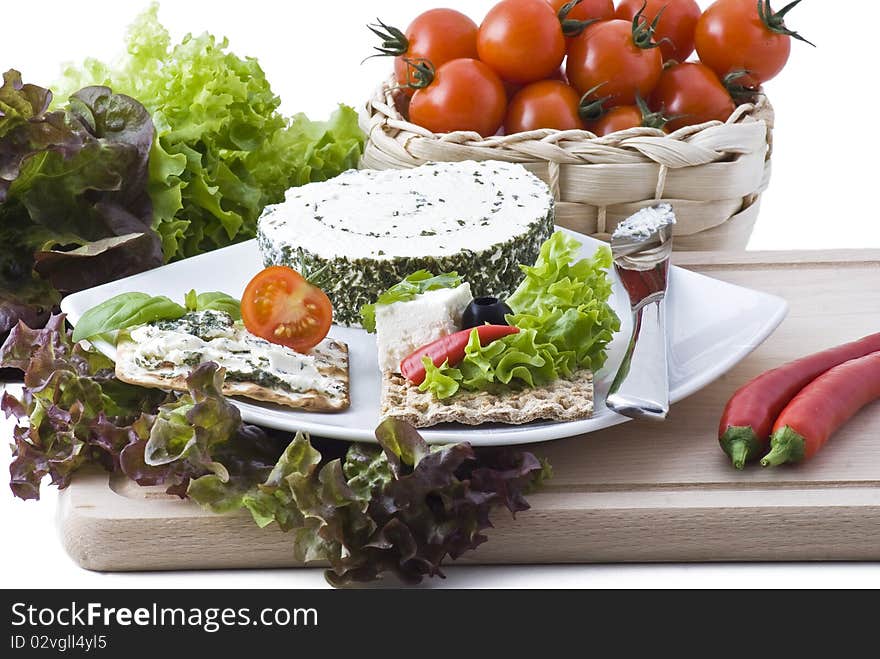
(636, 492)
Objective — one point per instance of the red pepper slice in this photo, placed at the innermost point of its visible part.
(822, 407)
(450, 349)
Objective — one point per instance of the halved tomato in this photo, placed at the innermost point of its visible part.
(280, 306)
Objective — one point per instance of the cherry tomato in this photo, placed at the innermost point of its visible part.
(586, 10)
(622, 117)
(465, 94)
(623, 60)
(544, 104)
(513, 88)
(677, 23)
(437, 35)
(690, 94)
(521, 40)
(744, 35)
(280, 306)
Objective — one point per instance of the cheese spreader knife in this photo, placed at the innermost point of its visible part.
(641, 246)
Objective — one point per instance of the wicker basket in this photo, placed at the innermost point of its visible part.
(713, 174)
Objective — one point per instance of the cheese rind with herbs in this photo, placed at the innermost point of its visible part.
(366, 230)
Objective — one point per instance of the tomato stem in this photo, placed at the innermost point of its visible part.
(566, 9)
(419, 73)
(643, 32)
(787, 445)
(775, 21)
(593, 110)
(570, 26)
(650, 119)
(741, 444)
(394, 42)
(740, 92)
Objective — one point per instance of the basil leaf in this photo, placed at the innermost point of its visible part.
(216, 302)
(125, 310)
(191, 301)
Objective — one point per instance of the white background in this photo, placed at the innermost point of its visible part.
(822, 196)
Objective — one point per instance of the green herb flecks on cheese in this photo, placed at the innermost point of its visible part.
(174, 347)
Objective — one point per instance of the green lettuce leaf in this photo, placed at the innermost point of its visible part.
(549, 282)
(223, 150)
(414, 285)
(567, 303)
(518, 360)
(442, 381)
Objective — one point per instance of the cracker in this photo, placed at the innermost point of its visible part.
(311, 401)
(562, 400)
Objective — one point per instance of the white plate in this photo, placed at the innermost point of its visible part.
(712, 325)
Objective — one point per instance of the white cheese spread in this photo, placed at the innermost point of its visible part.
(175, 347)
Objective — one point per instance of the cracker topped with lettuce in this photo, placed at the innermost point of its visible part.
(544, 370)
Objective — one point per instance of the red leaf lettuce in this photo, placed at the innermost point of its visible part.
(399, 507)
(75, 209)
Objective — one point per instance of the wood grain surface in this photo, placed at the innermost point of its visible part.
(636, 492)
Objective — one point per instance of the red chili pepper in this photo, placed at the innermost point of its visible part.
(450, 348)
(821, 408)
(748, 419)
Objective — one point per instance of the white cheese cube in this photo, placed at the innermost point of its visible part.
(403, 327)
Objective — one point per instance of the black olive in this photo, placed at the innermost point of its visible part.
(483, 310)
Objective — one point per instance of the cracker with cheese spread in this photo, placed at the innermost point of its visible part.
(162, 354)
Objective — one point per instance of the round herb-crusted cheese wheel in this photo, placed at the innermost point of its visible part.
(365, 230)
